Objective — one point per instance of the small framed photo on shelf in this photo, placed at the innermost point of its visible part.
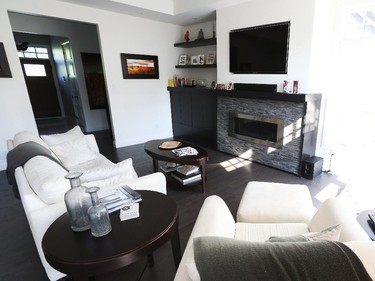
(200, 59)
(182, 60)
(211, 58)
(220, 87)
(194, 60)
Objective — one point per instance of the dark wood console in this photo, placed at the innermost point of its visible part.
(200, 116)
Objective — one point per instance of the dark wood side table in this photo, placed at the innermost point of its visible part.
(366, 223)
(82, 256)
(152, 149)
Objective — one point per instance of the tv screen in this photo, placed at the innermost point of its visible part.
(260, 49)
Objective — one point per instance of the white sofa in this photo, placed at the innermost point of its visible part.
(272, 209)
(42, 185)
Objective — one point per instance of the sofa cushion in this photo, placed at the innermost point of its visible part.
(47, 179)
(70, 135)
(74, 152)
(111, 182)
(265, 202)
(331, 234)
(26, 136)
(260, 232)
(101, 168)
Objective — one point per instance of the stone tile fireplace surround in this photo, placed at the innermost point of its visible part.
(202, 115)
(299, 115)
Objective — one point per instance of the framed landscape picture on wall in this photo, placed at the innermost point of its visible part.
(136, 66)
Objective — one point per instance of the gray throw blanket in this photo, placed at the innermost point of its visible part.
(226, 259)
(22, 153)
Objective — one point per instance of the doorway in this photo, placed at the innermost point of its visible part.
(41, 87)
(65, 41)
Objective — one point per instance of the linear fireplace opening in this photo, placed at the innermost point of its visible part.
(256, 129)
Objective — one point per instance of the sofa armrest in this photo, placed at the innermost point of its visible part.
(92, 142)
(365, 251)
(154, 182)
(333, 212)
(214, 219)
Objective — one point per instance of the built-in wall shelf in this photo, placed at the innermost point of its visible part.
(196, 66)
(196, 43)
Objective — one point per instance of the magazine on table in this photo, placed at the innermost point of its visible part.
(185, 179)
(115, 198)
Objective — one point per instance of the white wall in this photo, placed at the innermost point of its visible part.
(140, 109)
(259, 12)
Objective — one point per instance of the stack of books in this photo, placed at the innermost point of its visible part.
(169, 167)
(116, 198)
(186, 174)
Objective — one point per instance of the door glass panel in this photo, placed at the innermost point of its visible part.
(35, 70)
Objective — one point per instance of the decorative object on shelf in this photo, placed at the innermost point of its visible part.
(139, 66)
(4, 66)
(213, 31)
(182, 60)
(287, 86)
(295, 87)
(98, 215)
(210, 58)
(200, 35)
(213, 85)
(187, 36)
(194, 60)
(200, 59)
(201, 83)
(220, 87)
(77, 202)
(229, 86)
(193, 82)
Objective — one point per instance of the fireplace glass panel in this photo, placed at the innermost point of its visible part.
(256, 129)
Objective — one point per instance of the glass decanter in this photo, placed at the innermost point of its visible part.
(98, 215)
(77, 202)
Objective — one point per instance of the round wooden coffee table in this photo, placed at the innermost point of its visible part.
(80, 255)
(152, 149)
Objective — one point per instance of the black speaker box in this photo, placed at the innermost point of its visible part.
(312, 167)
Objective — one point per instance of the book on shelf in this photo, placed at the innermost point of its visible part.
(187, 169)
(169, 167)
(116, 198)
(185, 179)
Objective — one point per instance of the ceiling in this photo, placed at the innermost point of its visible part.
(200, 10)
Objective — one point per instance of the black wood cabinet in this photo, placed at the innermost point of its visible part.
(194, 115)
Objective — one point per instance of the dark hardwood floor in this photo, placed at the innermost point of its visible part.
(227, 177)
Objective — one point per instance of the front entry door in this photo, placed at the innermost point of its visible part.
(41, 87)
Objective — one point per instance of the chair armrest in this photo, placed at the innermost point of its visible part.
(154, 182)
(214, 219)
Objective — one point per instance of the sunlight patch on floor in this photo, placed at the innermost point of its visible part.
(234, 163)
(331, 190)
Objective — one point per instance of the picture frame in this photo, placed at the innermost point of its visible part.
(182, 60)
(4, 65)
(201, 59)
(211, 57)
(194, 60)
(220, 87)
(135, 66)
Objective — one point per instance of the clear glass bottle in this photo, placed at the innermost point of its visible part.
(77, 202)
(98, 215)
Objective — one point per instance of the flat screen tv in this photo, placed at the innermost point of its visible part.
(260, 49)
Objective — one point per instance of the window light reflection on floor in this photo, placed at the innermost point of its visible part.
(234, 163)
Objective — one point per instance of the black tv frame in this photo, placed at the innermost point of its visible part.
(259, 27)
